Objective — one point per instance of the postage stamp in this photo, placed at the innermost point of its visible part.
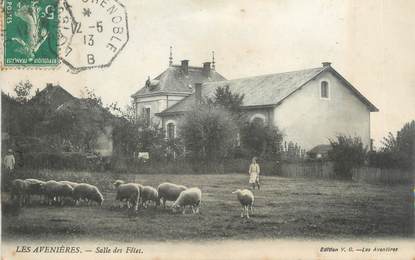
(31, 33)
(93, 34)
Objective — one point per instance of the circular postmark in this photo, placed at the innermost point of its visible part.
(92, 33)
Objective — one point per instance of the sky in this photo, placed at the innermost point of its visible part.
(371, 43)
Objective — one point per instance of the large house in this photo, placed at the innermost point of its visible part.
(309, 106)
(170, 87)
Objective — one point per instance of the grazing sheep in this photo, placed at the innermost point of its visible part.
(190, 197)
(34, 187)
(88, 193)
(70, 183)
(19, 191)
(246, 198)
(48, 190)
(56, 190)
(169, 192)
(129, 192)
(149, 194)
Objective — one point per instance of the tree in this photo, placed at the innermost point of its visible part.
(225, 98)
(23, 91)
(389, 143)
(347, 153)
(405, 141)
(396, 152)
(261, 140)
(208, 133)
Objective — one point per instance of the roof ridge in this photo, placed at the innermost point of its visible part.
(264, 75)
(177, 104)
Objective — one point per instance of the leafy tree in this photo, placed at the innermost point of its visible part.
(23, 91)
(261, 140)
(396, 152)
(208, 133)
(230, 101)
(406, 139)
(347, 153)
(389, 143)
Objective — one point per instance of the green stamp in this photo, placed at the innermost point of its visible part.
(31, 32)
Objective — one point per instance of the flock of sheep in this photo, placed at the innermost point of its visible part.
(131, 194)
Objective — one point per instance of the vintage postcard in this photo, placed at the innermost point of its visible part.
(207, 129)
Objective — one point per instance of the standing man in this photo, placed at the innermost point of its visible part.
(9, 162)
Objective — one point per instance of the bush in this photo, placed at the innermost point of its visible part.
(347, 153)
(384, 159)
(60, 161)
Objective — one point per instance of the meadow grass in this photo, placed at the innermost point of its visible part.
(284, 208)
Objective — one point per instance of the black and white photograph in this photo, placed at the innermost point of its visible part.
(207, 129)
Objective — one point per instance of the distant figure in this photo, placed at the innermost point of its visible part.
(254, 171)
(9, 162)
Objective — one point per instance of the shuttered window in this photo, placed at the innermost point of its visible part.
(170, 131)
(146, 114)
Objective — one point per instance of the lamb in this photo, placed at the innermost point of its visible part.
(190, 197)
(56, 190)
(19, 191)
(88, 193)
(128, 191)
(246, 198)
(169, 192)
(149, 194)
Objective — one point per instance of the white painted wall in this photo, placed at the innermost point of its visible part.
(157, 104)
(308, 120)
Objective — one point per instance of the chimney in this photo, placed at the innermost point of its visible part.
(198, 92)
(185, 67)
(326, 64)
(49, 85)
(206, 69)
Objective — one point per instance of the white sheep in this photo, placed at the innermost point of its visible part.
(88, 193)
(19, 191)
(190, 197)
(246, 198)
(149, 194)
(70, 183)
(34, 187)
(48, 190)
(129, 192)
(56, 190)
(169, 192)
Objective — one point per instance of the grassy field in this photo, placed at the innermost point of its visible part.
(284, 208)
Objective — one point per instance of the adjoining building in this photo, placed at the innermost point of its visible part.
(309, 106)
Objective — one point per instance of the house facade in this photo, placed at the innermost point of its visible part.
(170, 87)
(309, 106)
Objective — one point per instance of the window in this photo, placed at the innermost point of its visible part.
(324, 89)
(259, 122)
(170, 131)
(146, 114)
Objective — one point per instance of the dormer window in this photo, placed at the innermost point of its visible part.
(324, 89)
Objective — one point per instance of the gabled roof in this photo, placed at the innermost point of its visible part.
(173, 80)
(52, 95)
(265, 90)
(258, 91)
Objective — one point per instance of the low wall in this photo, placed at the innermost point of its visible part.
(378, 175)
(318, 169)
